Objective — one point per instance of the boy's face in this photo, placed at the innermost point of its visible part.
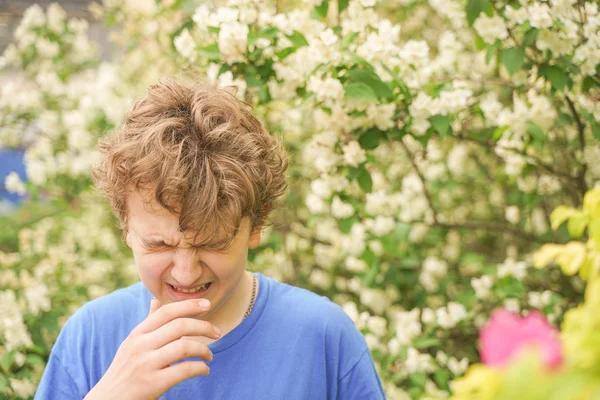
(168, 265)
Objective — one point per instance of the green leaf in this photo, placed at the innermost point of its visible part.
(360, 91)
(595, 130)
(297, 39)
(347, 41)
(476, 7)
(369, 140)
(498, 132)
(588, 83)
(345, 225)
(34, 359)
(425, 342)
(364, 180)
(530, 36)
(342, 5)
(397, 133)
(210, 52)
(441, 124)
(322, 9)
(381, 89)
(577, 224)
(557, 77)
(513, 59)
(4, 383)
(6, 361)
(441, 377)
(560, 215)
(538, 136)
(492, 51)
(418, 379)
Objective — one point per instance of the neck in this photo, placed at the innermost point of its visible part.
(232, 311)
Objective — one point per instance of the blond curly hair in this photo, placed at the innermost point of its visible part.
(198, 152)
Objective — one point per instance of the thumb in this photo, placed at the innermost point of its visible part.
(154, 305)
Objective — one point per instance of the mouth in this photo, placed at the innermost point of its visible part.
(189, 293)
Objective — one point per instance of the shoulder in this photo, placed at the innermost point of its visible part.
(103, 323)
(126, 304)
(314, 313)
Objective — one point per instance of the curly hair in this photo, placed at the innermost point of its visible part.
(198, 152)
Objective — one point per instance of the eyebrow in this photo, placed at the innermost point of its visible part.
(155, 243)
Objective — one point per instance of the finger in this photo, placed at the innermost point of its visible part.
(180, 327)
(154, 305)
(172, 311)
(178, 373)
(178, 350)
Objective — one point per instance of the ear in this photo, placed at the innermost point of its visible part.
(254, 240)
(128, 238)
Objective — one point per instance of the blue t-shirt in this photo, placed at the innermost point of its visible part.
(293, 345)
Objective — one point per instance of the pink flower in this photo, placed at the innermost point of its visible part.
(507, 334)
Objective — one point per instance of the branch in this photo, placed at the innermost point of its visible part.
(538, 161)
(425, 191)
(485, 225)
(581, 132)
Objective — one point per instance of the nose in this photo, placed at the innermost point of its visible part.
(187, 268)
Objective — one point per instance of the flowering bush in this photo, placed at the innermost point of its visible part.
(546, 373)
(429, 141)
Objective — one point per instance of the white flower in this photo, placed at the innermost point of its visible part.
(458, 367)
(233, 41)
(512, 214)
(46, 48)
(320, 278)
(516, 16)
(433, 269)
(144, 7)
(321, 188)
(457, 159)
(330, 88)
(11, 322)
(13, 184)
(428, 316)
(512, 305)
(408, 326)
(490, 28)
(482, 286)
(201, 16)
(368, 3)
(447, 317)
(238, 85)
(328, 37)
(354, 155)
(315, 204)
(351, 309)
(377, 325)
(56, 18)
(539, 15)
(375, 299)
(418, 362)
(356, 265)
(38, 298)
(32, 18)
(511, 267)
(341, 210)
(185, 45)
(23, 388)
(381, 225)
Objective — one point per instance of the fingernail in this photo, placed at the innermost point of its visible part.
(204, 303)
(217, 331)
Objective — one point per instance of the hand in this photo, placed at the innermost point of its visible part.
(142, 366)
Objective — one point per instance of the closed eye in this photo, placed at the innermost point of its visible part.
(153, 245)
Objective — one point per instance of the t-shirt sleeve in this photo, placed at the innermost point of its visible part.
(362, 381)
(56, 383)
